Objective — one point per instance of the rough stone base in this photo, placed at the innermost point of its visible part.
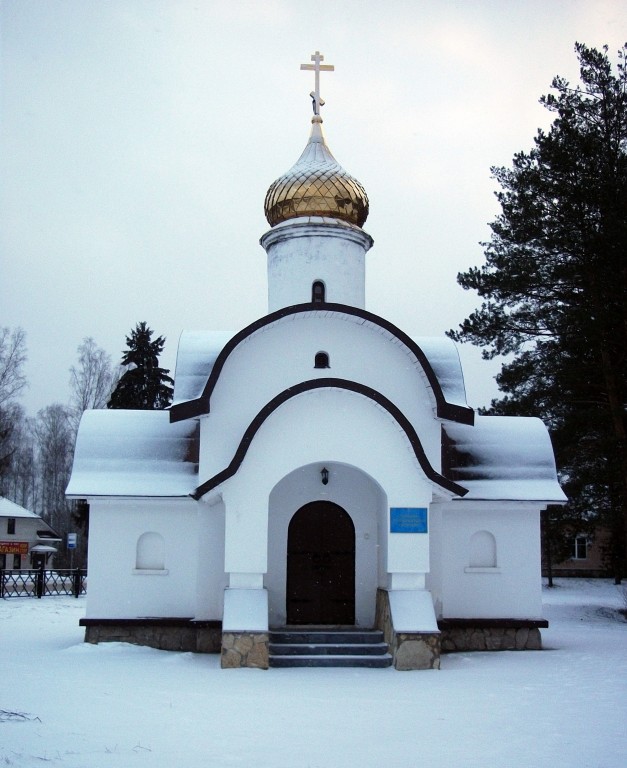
(417, 650)
(410, 650)
(382, 618)
(245, 649)
(455, 640)
(164, 634)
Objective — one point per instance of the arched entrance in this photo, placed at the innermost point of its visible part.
(321, 565)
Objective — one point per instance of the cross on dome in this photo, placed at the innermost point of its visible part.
(316, 185)
(317, 67)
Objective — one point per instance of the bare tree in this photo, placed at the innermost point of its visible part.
(19, 480)
(92, 380)
(54, 439)
(12, 382)
(12, 359)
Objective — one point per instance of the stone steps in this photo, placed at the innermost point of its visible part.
(328, 648)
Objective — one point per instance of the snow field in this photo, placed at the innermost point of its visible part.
(66, 703)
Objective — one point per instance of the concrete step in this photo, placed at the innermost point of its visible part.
(326, 636)
(374, 662)
(328, 648)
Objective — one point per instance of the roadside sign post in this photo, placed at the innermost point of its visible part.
(71, 545)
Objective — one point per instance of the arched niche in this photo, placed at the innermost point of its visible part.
(482, 550)
(150, 552)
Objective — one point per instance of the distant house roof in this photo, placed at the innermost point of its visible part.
(502, 457)
(10, 509)
(134, 453)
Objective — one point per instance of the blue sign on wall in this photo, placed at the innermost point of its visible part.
(408, 520)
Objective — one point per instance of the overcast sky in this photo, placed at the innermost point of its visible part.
(139, 138)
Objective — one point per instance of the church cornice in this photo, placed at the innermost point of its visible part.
(330, 383)
(202, 405)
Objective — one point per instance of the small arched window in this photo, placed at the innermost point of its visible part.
(321, 360)
(318, 292)
(150, 552)
(482, 550)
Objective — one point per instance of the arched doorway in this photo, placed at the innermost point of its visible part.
(321, 565)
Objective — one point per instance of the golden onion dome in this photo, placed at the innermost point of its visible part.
(316, 185)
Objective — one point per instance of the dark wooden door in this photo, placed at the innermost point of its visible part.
(321, 565)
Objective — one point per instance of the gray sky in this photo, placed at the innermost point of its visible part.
(139, 138)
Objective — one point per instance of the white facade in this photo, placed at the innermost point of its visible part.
(196, 513)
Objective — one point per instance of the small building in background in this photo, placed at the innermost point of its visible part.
(26, 540)
(588, 558)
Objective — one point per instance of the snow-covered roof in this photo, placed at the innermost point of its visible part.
(10, 509)
(134, 453)
(502, 457)
(197, 352)
(443, 357)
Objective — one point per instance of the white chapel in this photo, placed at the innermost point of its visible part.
(319, 492)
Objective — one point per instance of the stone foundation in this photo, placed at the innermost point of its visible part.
(416, 650)
(163, 634)
(410, 650)
(245, 649)
(382, 618)
(461, 635)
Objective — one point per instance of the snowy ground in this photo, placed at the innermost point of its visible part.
(121, 706)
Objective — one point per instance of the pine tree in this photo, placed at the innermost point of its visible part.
(144, 385)
(554, 287)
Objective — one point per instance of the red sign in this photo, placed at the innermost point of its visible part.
(13, 547)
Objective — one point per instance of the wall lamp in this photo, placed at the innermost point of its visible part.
(324, 474)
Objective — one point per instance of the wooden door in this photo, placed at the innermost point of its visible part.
(321, 565)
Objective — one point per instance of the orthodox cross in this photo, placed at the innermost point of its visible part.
(317, 67)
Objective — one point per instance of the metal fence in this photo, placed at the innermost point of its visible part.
(39, 582)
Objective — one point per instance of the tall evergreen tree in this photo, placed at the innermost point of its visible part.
(554, 288)
(144, 385)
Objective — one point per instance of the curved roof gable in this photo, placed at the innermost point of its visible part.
(307, 386)
(437, 357)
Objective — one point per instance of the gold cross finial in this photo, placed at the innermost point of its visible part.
(317, 67)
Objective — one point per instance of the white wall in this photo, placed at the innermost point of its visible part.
(211, 580)
(513, 588)
(117, 589)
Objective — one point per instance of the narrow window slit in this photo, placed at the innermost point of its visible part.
(321, 360)
(318, 292)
